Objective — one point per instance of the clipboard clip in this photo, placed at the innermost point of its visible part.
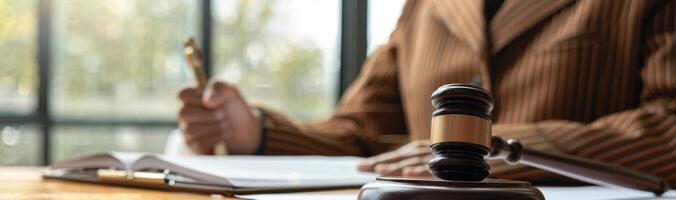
(114, 175)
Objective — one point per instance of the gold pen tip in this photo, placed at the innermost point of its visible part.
(189, 42)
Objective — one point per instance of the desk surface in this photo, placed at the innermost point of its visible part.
(26, 183)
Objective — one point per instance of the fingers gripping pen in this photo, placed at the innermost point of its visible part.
(195, 61)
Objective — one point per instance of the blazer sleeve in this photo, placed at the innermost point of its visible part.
(643, 138)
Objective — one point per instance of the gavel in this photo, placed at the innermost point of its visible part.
(461, 139)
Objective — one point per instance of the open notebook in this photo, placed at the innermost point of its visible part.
(213, 174)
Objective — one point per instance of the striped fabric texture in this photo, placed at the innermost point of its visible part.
(592, 78)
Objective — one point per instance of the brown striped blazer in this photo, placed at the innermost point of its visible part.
(593, 78)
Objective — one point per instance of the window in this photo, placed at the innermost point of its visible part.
(282, 54)
(69, 139)
(20, 145)
(119, 59)
(83, 76)
(18, 67)
(382, 19)
(116, 61)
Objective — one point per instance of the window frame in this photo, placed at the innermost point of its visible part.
(353, 51)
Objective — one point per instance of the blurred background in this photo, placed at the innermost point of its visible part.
(80, 76)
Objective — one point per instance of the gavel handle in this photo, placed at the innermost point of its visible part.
(582, 169)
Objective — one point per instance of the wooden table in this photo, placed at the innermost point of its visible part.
(26, 183)
(20, 183)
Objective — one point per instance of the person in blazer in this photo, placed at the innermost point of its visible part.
(591, 78)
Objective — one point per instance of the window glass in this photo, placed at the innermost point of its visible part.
(281, 53)
(382, 19)
(18, 66)
(123, 60)
(20, 145)
(72, 140)
(120, 59)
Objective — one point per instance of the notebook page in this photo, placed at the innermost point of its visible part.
(128, 158)
(268, 171)
(117, 160)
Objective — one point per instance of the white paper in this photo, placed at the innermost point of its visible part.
(600, 193)
(274, 171)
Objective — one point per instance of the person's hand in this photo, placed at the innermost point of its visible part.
(409, 160)
(218, 114)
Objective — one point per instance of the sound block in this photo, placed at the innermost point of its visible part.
(430, 188)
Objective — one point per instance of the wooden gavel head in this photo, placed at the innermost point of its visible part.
(461, 132)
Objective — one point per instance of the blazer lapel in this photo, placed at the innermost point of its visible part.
(464, 18)
(517, 16)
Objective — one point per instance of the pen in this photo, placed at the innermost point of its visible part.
(195, 60)
(163, 178)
